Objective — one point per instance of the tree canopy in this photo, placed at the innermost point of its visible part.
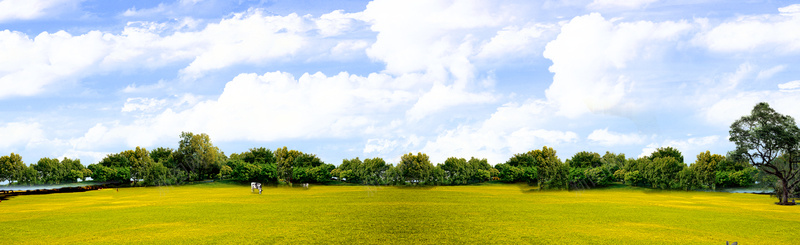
(771, 142)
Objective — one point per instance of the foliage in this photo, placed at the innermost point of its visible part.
(197, 156)
(667, 152)
(11, 167)
(634, 178)
(705, 168)
(414, 168)
(771, 142)
(584, 159)
(285, 160)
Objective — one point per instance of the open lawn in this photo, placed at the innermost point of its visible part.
(494, 213)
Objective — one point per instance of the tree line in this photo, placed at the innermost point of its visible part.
(197, 159)
(768, 150)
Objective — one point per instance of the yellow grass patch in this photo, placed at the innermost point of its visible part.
(494, 213)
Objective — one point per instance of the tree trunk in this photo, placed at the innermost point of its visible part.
(785, 194)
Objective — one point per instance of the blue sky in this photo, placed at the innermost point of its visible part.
(345, 79)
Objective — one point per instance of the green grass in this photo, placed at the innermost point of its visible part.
(493, 213)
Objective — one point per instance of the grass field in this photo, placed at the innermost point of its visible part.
(506, 214)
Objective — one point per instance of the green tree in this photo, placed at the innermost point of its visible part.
(456, 170)
(664, 172)
(197, 155)
(667, 152)
(705, 168)
(374, 170)
(50, 170)
(285, 161)
(613, 162)
(415, 168)
(164, 156)
(349, 170)
(481, 169)
(771, 142)
(72, 170)
(11, 168)
(225, 172)
(140, 162)
(585, 159)
(258, 155)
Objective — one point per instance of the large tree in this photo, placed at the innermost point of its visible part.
(196, 155)
(415, 168)
(140, 163)
(285, 160)
(11, 167)
(771, 142)
(705, 168)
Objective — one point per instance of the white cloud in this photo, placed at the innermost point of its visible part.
(600, 4)
(769, 73)
(269, 107)
(348, 49)
(27, 66)
(510, 130)
(791, 10)
(734, 106)
(591, 56)
(336, 23)
(133, 88)
(16, 135)
(416, 36)
(33, 9)
(245, 38)
(514, 41)
(380, 145)
(143, 104)
(441, 97)
(610, 138)
(790, 86)
(63, 59)
(776, 34)
(732, 80)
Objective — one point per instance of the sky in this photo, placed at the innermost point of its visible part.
(345, 79)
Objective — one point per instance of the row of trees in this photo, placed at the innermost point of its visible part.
(45, 171)
(768, 149)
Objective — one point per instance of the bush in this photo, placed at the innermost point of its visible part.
(598, 176)
(634, 178)
(619, 175)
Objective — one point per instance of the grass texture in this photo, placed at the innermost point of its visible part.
(486, 214)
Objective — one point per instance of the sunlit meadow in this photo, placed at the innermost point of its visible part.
(493, 213)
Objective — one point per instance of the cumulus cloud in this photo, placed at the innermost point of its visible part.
(730, 108)
(250, 37)
(28, 65)
(33, 9)
(417, 36)
(610, 138)
(513, 128)
(776, 34)
(268, 107)
(591, 56)
(17, 134)
(441, 97)
(514, 41)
